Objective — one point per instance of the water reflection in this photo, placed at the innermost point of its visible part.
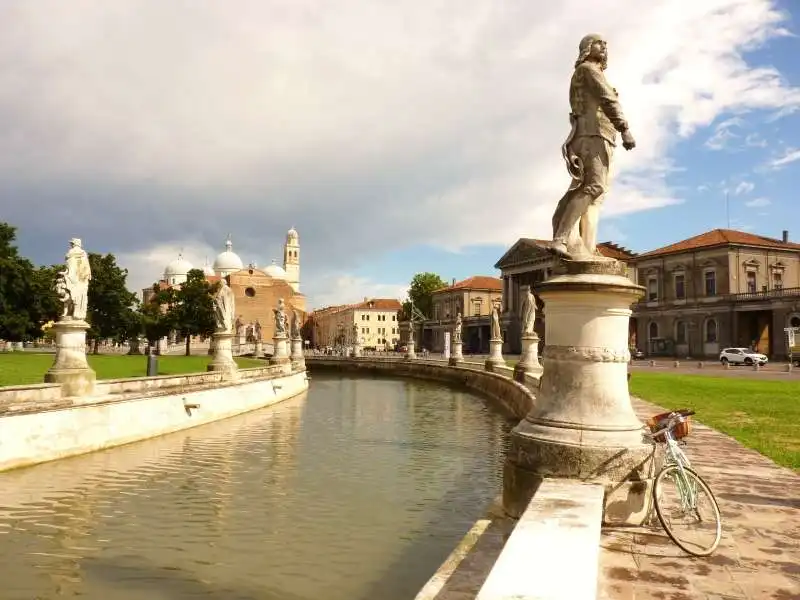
(357, 490)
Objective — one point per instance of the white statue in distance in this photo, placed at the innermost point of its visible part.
(72, 284)
(224, 307)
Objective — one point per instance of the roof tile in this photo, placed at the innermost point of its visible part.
(720, 237)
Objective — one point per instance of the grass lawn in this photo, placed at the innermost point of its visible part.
(20, 368)
(761, 414)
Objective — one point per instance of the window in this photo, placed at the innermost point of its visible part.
(476, 308)
(680, 332)
(710, 278)
(250, 292)
(394, 317)
(751, 282)
(652, 289)
(652, 330)
(711, 331)
(777, 280)
(680, 287)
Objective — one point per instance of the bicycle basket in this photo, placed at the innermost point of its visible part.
(681, 430)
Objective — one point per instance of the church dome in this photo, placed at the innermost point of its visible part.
(177, 270)
(275, 271)
(291, 235)
(227, 262)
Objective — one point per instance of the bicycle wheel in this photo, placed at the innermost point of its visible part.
(683, 498)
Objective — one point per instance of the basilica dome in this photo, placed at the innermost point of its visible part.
(176, 271)
(275, 271)
(227, 262)
(291, 235)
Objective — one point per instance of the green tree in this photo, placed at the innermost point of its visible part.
(155, 322)
(191, 307)
(109, 299)
(420, 292)
(27, 297)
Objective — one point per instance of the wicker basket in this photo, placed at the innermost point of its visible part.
(681, 430)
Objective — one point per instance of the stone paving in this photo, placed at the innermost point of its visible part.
(759, 555)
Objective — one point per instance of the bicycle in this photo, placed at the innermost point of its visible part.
(667, 429)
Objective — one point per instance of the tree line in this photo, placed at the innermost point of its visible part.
(28, 301)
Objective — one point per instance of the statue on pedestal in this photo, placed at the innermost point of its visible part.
(295, 325)
(224, 307)
(355, 333)
(72, 284)
(596, 117)
(457, 328)
(257, 331)
(528, 311)
(495, 330)
(280, 319)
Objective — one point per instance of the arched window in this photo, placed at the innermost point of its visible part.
(652, 330)
(711, 331)
(680, 332)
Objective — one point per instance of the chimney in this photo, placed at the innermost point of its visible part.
(785, 236)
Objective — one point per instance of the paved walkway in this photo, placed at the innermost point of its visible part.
(759, 555)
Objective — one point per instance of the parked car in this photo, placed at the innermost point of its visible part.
(742, 356)
(637, 354)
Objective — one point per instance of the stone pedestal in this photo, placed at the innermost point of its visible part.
(410, 353)
(297, 357)
(356, 353)
(70, 367)
(582, 425)
(457, 356)
(280, 350)
(529, 361)
(222, 343)
(258, 352)
(495, 354)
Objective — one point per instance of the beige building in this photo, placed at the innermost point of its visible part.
(376, 320)
(528, 262)
(718, 289)
(473, 298)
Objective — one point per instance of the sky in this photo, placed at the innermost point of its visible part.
(396, 137)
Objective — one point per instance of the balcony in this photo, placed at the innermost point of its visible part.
(793, 292)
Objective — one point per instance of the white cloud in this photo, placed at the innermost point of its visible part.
(368, 125)
(744, 187)
(343, 288)
(723, 133)
(758, 202)
(791, 155)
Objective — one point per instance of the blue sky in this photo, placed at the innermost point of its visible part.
(395, 137)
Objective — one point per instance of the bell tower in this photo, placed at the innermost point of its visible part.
(291, 259)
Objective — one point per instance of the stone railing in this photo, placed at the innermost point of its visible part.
(511, 396)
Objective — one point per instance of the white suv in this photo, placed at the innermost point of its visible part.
(742, 356)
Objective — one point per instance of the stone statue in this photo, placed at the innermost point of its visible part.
(495, 332)
(295, 325)
(355, 333)
(224, 307)
(72, 284)
(595, 118)
(457, 328)
(257, 331)
(528, 311)
(280, 318)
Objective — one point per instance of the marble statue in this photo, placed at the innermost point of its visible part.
(72, 284)
(257, 331)
(295, 325)
(280, 318)
(355, 332)
(596, 117)
(457, 329)
(224, 307)
(528, 311)
(495, 332)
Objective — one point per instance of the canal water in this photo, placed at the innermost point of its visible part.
(357, 490)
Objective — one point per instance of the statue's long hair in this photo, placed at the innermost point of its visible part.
(585, 48)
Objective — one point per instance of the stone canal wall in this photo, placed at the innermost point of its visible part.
(510, 396)
(37, 424)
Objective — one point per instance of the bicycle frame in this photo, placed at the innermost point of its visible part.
(675, 456)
